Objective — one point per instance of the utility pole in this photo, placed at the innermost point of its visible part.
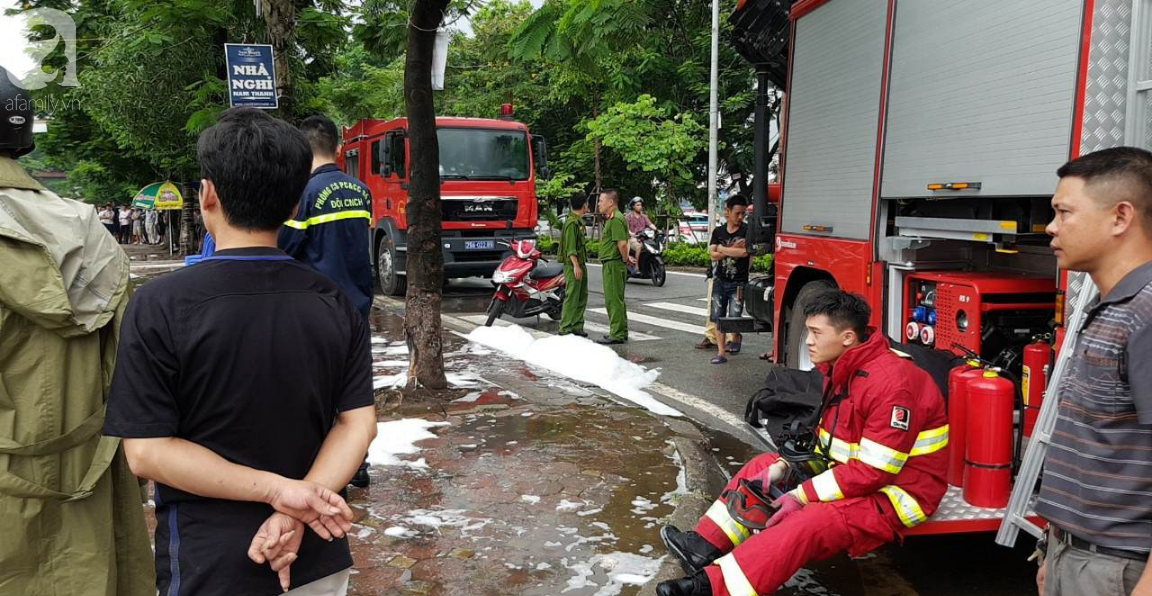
(714, 120)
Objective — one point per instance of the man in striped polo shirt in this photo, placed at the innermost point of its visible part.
(1097, 486)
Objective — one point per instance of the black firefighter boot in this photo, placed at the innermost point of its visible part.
(697, 585)
(695, 553)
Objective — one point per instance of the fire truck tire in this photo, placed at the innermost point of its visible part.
(797, 331)
(391, 283)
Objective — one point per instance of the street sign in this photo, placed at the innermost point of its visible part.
(251, 76)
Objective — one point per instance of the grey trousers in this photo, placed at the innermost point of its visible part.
(1075, 572)
(333, 585)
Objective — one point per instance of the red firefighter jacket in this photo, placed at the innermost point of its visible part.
(888, 433)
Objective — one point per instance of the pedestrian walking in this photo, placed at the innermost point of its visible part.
(71, 516)
(244, 386)
(730, 264)
(330, 231)
(880, 470)
(1097, 475)
(614, 260)
(574, 252)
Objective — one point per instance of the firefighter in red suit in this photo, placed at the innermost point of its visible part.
(885, 433)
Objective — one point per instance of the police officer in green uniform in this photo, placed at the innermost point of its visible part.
(575, 255)
(614, 257)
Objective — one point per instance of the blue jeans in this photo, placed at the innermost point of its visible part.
(727, 299)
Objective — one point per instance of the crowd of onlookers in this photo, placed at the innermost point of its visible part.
(130, 225)
(133, 225)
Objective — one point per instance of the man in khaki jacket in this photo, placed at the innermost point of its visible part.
(71, 520)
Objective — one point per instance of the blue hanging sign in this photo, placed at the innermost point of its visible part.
(251, 76)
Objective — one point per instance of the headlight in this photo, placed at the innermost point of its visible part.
(501, 277)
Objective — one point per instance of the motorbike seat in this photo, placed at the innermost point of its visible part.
(547, 270)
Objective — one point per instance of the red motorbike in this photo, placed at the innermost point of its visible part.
(527, 285)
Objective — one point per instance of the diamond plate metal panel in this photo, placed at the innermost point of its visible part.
(1106, 94)
(954, 508)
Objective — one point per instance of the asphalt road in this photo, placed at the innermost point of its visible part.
(664, 325)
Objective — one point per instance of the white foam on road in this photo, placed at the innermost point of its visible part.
(399, 437)
(580, 359)
(589, 327)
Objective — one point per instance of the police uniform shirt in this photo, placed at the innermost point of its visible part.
(252, 355)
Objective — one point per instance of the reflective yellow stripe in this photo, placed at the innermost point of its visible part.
(881, 457)
(734, 579)
(826, 487)
(906, 507)
(931, 441)
(735, 532)
(328, 217)
(840, 450)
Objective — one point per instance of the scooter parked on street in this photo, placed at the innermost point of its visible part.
(527, 285)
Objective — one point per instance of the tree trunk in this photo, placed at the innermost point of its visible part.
(596, 146)
(186, 226)
(422, 327)
(280, 18)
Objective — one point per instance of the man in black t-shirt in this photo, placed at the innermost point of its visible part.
(730, 263)
(243, 387)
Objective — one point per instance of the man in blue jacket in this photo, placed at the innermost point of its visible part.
(330, 231)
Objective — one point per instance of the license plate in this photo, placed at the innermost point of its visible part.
(479, 244)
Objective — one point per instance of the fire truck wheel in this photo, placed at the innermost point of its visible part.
(391, 283)
(797, 331)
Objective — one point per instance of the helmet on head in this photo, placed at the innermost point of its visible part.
(16, 117)
(633, 202)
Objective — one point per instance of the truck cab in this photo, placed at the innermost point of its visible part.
(488, 190)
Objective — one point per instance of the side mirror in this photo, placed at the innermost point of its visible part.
(542, 157)
(385, 165)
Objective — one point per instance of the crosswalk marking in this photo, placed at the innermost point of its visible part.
(656, 321)
(672, 306)
(703, 299)
(589, 327)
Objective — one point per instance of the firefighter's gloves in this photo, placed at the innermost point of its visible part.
(773, 474)
(785, 506)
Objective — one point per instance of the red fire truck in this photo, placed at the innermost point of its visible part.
(920, 144)
(488, 190)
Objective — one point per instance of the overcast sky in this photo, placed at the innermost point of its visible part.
(13, 38)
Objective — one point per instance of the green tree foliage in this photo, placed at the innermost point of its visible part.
(152, 77)
(651, 140)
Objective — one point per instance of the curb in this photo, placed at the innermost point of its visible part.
(704, 481)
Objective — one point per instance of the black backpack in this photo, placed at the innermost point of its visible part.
(789, 404)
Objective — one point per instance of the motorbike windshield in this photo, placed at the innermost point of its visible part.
(480, 154)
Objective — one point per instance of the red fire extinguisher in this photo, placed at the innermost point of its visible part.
(958, 417)
(1033, 380)
(988, 453)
